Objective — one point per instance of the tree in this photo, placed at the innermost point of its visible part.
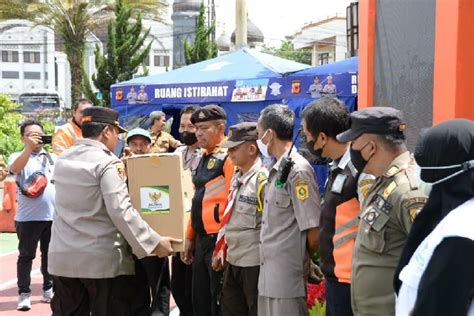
(9, 131)
(124, 53)
(10, 138)
(72, 20)
(287, 50)
(204, 47)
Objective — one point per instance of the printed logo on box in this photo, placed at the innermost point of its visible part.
(155, 200)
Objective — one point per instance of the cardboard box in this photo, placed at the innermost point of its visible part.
(162, 192)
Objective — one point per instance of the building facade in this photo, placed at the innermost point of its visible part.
(326, 39)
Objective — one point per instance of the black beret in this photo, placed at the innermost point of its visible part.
(209, 112)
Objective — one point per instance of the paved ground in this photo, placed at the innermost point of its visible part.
(8, 289)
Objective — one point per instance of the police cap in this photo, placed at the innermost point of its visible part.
(209, 112)
(97, 114)
(240, 133)
(374, 120)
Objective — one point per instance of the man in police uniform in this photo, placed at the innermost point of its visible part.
(290, 223)
(238, 241)
(161, 140)
(95, 225)
(378, 148)
(212, 179)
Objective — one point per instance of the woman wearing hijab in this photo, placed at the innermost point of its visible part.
(435, 275)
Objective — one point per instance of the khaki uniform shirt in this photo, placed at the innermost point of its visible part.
(289, 211)
(386, 218)
(161, 143)
(94, 222)
(242, 231)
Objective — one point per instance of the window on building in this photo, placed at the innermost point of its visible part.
(32, 75)
(161, 61)
(31, 57)
(10, 75)
(323, 58)
(9, 56)
(146, 61)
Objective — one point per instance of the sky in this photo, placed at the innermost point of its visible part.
(278, 18)
(275, 18)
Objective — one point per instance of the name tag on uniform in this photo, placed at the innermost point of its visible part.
(338, 183)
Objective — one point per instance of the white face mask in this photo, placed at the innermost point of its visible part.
(465, 166)
(424, 186)
(262, 147)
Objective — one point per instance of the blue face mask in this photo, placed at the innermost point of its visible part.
(465, 166)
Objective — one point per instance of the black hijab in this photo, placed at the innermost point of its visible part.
(449, 143)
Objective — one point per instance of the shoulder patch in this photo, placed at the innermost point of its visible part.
(121, 171)
(301, 189)
(414, 206)
(392, 171)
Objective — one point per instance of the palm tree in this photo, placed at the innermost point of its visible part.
(72, 21)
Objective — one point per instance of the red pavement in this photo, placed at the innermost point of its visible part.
(8, 289)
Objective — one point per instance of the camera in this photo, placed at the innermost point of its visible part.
(47, 139)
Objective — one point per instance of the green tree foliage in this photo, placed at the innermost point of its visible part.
(72, 21)
(204, 47)
(287, 50)
(124, 53)
(9, 126)
(10, 119)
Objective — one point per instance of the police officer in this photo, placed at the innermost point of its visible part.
(290, 224)
(95, 225)
(212, 179)
(322, 120)
(181, 273)
(238, 241)
(378, 148)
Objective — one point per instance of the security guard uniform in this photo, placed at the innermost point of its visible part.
(386, 218)
(289, 211)
(242, 231)
(212, 180)
(95, 229)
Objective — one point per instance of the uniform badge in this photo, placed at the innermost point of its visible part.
(338, 183)
(414, 206)
(302, 190)
(382, 204)
(389, 189)
(201, 115)
(370, 216)
(121, 171)
(211, 164)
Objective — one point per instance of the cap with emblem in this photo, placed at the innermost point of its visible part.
(240, 133)
(374, 120)
(209, 112)
(97, 114)
(138, 132)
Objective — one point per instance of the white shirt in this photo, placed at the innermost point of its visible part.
(459, 222)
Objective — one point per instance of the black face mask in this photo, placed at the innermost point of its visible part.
(315, 152)
(188, 138)
(357, 160)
